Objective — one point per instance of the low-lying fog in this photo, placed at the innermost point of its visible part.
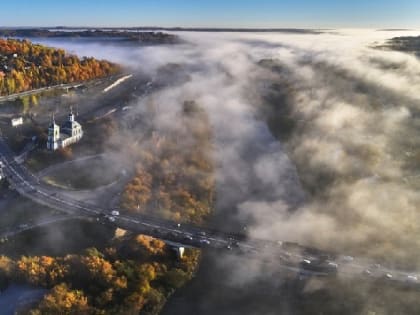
(357, 111)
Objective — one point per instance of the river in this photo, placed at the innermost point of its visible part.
(216, 288)
(16, 296)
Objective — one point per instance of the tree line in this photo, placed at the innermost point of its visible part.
(133, 275)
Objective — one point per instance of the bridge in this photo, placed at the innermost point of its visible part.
(14, 231)
(305, 261)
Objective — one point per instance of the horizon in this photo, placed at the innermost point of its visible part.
(266, 14)
(211, 28)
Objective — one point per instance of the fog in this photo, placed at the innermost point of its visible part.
(357, 114)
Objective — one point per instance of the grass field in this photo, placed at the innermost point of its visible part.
(88, 174)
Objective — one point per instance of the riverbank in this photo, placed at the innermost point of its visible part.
(16, 297)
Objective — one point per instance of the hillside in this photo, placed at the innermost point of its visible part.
(409, 44)
(133, 36)
(25, 66)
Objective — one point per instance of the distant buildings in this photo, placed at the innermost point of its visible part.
(60, 137)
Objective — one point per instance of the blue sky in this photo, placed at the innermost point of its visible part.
(211, 13)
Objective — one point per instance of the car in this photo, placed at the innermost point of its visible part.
(388, 275)
(412, 278)
(367, 272)
(111, 218)
(322, 266)
(232, 242)
(332, 265)
(348, 258)
(188, 238)
(204, 242)
(115, 212)
(324, 257)
(172, 234)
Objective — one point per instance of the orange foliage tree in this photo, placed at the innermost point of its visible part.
(25, 66)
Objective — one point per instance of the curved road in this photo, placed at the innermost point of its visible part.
(307, 261)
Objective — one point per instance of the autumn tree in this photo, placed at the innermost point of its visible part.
(64, 301)
(31, 66)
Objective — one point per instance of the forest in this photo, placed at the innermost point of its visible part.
(132, 274)
(139, 36)
(174, 177)
(26, 66)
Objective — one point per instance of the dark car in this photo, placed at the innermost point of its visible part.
(319, 266)
(188, 238)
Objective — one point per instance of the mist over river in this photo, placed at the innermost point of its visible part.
(346, 179)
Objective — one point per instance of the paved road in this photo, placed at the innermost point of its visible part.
(305, 260)
(53, 87)
(37, 91)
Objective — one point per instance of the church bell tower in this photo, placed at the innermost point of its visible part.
(53, 135)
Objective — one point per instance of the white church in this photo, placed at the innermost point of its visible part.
(69, 133)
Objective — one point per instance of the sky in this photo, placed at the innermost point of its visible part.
(213, 13)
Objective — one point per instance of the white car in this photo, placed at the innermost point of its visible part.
(412, 278)
(332, 264)
(348, 258)
(115, 213)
